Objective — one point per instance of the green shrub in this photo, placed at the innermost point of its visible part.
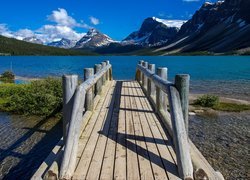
(41, 97)
(7, 76)
(207, 100)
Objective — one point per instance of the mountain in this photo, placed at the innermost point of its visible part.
(33, 39)
(10, 46)
(218, 27)
(153, 32)
(93, 39)
(63, 43)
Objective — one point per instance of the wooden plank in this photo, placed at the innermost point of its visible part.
(87, 129)
(96, 163)
(132, 159)
(82, 168)
(162, 144)
(142, 151)
(48, 161)
(121, 156)
(156, 162)
(109, 156)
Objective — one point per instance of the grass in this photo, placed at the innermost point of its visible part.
(213, 102)
(231, 107)
(41, 97)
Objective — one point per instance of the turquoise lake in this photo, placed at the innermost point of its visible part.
(26, 142)
(222, 75)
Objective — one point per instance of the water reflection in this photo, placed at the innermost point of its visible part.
(25, 143)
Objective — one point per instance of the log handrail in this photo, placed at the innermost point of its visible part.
(180, 137)
(69, 157)
(177, 93)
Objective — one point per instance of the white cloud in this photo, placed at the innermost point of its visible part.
(94, 20)
(24, 33)
(61, 17)
(4, 31)
(63, 27)
(50, 33)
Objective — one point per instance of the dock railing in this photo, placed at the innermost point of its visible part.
(78, 105)
(171, 103)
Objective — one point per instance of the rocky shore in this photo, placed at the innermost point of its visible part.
(223, 138)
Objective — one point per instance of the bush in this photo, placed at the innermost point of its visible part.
(7, 76)
(207, 100)
(41, 97)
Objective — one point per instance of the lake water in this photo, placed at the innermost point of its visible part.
(227, 75)
(25, 142)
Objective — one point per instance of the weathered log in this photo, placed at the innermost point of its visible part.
(104, 76)
(161, 101)
(151, 87)
(145, 79)
(182, 149)
(88, 73)
(69, 83)
(198, 160)
(98, 86)
(140, 74)
(107, 73)
(182, 85)
(70, 153)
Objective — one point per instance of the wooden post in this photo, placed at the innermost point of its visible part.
(107, 74)
(98, 86)
(110, 74)
(151, 86)
(181, 144)
(144, 78)
(182, 85)
(140, 73)
(88, 72)
(161, 102)
(69, 83)
(104, 76)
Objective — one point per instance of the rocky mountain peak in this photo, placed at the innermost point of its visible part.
(153, 32)
(93, 39)
(63, 43)
(33, 39)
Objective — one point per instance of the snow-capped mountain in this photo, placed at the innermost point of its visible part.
(93, 39)
(63, 43)
(216, 27)
(33, 39)
(154, 31)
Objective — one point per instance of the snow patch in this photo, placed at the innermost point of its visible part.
(241, 22)
(170, 23)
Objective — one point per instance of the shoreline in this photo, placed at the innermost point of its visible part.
(27, 78)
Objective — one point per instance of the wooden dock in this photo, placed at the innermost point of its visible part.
(125, 129)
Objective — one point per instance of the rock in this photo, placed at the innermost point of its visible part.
(199, 111)
(191, 113)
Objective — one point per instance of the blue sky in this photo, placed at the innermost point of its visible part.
(53, 19)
